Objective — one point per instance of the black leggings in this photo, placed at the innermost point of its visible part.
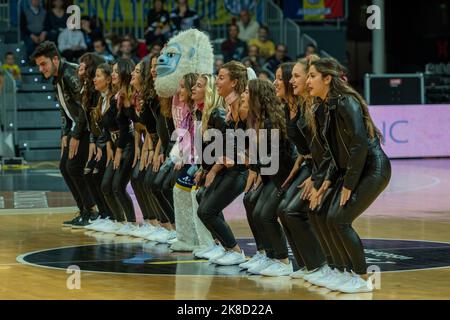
(250, 200)
(226, 187)
(374, 179)
(294, 214)
(159, 184)
(143, 197)
(292, 192)
(93, 174)
(114, 186)
(265, 216)
(72, 171)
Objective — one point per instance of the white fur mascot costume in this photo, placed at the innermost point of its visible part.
(188, 52)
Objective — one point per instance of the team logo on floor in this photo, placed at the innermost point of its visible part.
(158, 259)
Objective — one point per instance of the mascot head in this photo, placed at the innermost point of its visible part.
(188, 52)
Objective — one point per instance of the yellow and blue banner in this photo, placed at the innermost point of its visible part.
(314, 10)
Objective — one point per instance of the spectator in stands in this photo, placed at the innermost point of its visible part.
(310, 50)
(32, 24)
(126, 50)
(156, 49)
(11, 66)
(159, 25)
(71, 44)
(101, 48)
(90, 33)
(265, 75)
(265, 45)
(278, 58)
(248, 28)
(233, 48)
(184, 18)
(218, 63)
(253, 59)
(140, 49)
(56, 19)
(114, 41)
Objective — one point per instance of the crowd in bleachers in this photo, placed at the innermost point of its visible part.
(247, 41)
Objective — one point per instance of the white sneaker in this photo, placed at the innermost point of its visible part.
(321, 273)
(144, 231)
(231, 258)
(339, 280)
(356, 285)
(277, 269)
(215, 253)
(315, 274)
(260, 265)
(160, 231)
(200, 252)
(299, 274)
(331, 274)
(100, 225)
(93, 223)
(250, 263)
(110, 227)
(165, 237)
(126, 229)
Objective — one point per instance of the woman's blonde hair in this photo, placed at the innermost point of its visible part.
(212, 99)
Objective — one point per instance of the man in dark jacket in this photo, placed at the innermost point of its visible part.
(75, 134)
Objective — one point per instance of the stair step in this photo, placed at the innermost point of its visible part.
(31, 118)
(35, 87)
(42, 155)
(30, 100)
(51, 133)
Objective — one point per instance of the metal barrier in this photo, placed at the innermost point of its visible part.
(272, 16)
(5, 21)
(291, 37)
(8, 116)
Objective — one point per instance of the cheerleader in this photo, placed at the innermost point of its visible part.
(117, 131)
(267, 113)
(95, 167)
(223, 184)
(156, 179)
(363, 169)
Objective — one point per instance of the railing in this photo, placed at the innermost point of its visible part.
(8, 116)
(291, 37)
(272, 16)
(306, 40)
(5, 20)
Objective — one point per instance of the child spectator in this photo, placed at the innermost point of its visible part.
(11, 67)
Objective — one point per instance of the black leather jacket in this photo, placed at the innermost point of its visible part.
(71, 87)
(347, 138)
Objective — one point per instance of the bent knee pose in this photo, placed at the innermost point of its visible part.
(364, 171)
(96, 163)
(224, 183)
(117, 131)
(75, 134)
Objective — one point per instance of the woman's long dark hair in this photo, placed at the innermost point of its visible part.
(125, 68)
(264, 103)
(286, 75)
(90, 96)
(147, 90)
(107, 71)
(338, 86)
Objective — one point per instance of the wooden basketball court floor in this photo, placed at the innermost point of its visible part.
(36, 250)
